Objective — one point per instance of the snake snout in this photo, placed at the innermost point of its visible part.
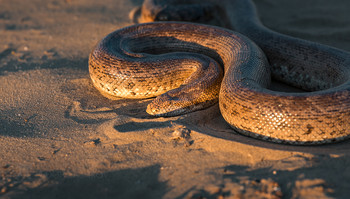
(165, 105)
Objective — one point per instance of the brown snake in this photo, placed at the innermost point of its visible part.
(179, 63)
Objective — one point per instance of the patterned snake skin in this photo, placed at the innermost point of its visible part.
(148, 60)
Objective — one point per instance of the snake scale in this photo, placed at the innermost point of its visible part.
(191, 66)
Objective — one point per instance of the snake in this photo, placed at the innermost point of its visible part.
(188, 66)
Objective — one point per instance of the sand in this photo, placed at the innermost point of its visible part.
(60, 138)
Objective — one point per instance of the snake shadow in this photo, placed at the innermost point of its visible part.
(211, 122)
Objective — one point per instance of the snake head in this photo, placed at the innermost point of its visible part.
(170, 104)
(187, 12)
(166, 105)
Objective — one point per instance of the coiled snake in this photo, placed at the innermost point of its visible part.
(180, 63)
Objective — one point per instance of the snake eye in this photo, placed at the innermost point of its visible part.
(162, 17)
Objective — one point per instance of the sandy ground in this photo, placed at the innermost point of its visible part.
(59, 138)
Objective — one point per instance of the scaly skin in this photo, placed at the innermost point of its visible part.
(316, 117)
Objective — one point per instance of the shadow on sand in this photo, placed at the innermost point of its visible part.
(127, 183)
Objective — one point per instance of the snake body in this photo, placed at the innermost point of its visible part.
(179, 62)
